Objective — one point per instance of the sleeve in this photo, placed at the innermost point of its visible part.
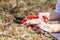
(57, 7)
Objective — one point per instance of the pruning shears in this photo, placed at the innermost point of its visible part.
(21, 20)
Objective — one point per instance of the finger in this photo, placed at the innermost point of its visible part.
(33, 21)
(38, 31)
(40, 15)
(34, 28)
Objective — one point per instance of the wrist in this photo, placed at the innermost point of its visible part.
(46, 27)
(55, 28)
(54, 16)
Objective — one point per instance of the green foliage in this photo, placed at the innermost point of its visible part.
(36, 1)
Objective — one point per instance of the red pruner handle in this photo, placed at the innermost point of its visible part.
(29, 17)
(32, 16)
(45, 18)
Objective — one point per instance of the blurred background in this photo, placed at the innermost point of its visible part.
(10, 8)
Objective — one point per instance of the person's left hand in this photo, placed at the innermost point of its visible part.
(43, 17)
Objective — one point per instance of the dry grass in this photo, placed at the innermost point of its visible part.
(9, 8)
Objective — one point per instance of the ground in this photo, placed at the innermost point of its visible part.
(10, 8)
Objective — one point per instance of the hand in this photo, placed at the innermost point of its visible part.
(37, 21)
(40, 24)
